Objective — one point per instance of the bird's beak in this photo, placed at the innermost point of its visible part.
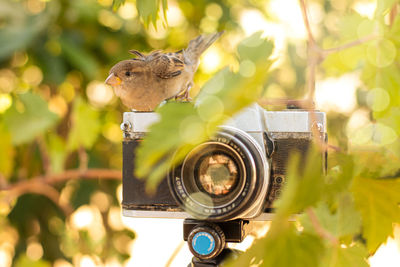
(113, 80)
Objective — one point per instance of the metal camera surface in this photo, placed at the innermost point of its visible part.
(237, 174)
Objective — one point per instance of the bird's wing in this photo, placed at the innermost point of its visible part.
(137, 53)
(198, 45)
(179, 55)
(165, 66)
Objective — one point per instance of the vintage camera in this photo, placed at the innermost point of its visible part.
(237, 174)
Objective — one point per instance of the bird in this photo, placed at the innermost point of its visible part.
(143, 82)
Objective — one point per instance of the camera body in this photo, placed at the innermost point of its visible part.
(237, 174)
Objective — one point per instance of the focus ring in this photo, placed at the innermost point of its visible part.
(200, 204)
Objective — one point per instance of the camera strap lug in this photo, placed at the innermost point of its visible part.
(269, 144)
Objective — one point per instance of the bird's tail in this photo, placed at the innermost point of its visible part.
(198, 45)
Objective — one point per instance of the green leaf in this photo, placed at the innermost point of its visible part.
(117, 3)
(85, 126)
(304, 188)
(254, 47)
(378, 202)
(338, 256)
(344, 61)
(387, 78)
(6, 151)
(343, 222)
(183, 125)
(351, 28)
(148, 10)
(283, 246)
(161, 141)
(385, 163)
(24, 261)
(28, 117)
(381, 53)
(340, 176)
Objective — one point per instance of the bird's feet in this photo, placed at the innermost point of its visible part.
(184, 97)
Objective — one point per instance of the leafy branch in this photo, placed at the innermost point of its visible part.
(149, 10)
(67, 175)
(316, 54)
(42, 184)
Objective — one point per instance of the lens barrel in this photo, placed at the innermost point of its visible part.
(222, 179)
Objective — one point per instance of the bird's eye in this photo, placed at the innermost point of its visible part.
(128, 73)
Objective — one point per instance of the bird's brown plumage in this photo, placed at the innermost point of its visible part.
(144, 82)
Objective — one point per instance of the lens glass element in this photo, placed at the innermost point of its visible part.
(213, 175)
(217, 174)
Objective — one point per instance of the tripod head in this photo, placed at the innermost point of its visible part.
(207, 240)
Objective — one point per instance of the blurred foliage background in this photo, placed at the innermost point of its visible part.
(59, 123)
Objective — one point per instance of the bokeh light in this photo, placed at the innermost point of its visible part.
(337, 94)
(210, 60)
(127, 11)
(291, 18)
(99, 94)
(247, 68)
(112, 132)
(8, 80)
(115, 218)
(87, 261)
(88, 217)
(159, 33)
(19, 59)
(365, 8)
(34, 251)
(35, 6)
(62, 263)
(83, 217)
(373, 134)
(253, 21)
(175, 17)
(32, 75)
(378, 99)
(382, 57)
(5, 258)
(358, 119)
(101, 200)
(191, 130)
(110, 20)
(58, 105)
(214, 11)
(5, 102)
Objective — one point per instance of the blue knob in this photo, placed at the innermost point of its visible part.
(203, 243)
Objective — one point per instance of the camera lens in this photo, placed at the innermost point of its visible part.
(217, 174)
(212, 175)
(224, 178)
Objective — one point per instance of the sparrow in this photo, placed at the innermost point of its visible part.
(145, 81)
